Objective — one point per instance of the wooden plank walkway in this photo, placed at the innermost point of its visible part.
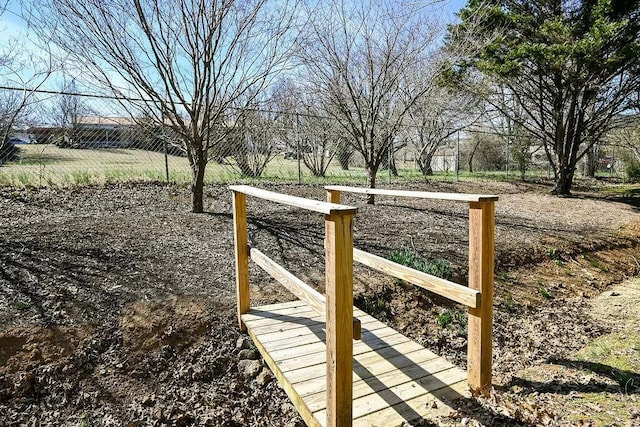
(394, 379)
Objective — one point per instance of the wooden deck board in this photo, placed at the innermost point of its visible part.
(394, 379)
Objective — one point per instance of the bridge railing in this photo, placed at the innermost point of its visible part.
(337, 306)
(478, 296)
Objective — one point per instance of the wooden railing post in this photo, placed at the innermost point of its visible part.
(481, 266)
(339, 317)
(242, 254)
(333, 196)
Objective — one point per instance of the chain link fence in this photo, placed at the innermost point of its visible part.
(70, 139)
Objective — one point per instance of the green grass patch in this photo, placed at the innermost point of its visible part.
(544, 291)
(22, 306)
(600, 409)
(454, 317)
(593, 262)
(616, 355)
(412, 259)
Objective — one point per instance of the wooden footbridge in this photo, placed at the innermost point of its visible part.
(337, 364)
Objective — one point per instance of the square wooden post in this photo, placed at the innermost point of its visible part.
(242, 254)
(481, 266)
(333, 196)
(339, 317)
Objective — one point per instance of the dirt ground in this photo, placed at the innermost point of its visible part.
(117, 304)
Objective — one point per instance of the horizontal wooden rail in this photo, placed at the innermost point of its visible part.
(415, 194)
(462, 294)
(300, 202)
(304, 292)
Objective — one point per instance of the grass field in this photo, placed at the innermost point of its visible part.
(41, 165)
(46, 165)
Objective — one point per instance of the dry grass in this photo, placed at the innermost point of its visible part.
(46, 165)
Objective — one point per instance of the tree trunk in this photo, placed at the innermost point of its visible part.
(424, 163)
(371, 183)
(392, 165)
(591, 162)
(197, 186)
(564, 181)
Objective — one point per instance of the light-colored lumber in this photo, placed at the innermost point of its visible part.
(299, 202)
(445, 288)
(333, 196)
(307, 382)
(370, 360)
(389, 396)
(414, 194)
(275, 308)
(339, 294)
(384, 350)
(375, 381)
(480, 324)
(261, 317)
(296, 286)
(241, 254)
(302, 323)
(280, 331)
(388, 369)
(315, 345)
(297, 401)
(436, 403)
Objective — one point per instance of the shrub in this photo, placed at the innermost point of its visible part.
(632, 170)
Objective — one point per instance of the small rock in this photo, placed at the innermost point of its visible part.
(149, 400)
(248, 354)
(614, 294)
(249, 368)
(265, 377)
(433, 405)
(464, 422)
(242, 343)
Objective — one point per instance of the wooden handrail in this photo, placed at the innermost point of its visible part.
(299, 202)
(481, 266)
(415, 194)
(453, 291)
(300, 289)
(338, 303)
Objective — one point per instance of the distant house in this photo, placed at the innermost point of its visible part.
(43, 134)
(104, 132)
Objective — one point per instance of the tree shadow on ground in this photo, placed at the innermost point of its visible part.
(627, 382)
(57, 272)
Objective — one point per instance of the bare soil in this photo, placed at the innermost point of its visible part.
(117, 305)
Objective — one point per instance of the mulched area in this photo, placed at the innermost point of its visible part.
(117, 305)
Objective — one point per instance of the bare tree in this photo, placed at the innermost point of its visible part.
(359, 57)
(183, 63)
(22, 73)
(255, 141)
(434, 118)
(67, 112)
(313, 138)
